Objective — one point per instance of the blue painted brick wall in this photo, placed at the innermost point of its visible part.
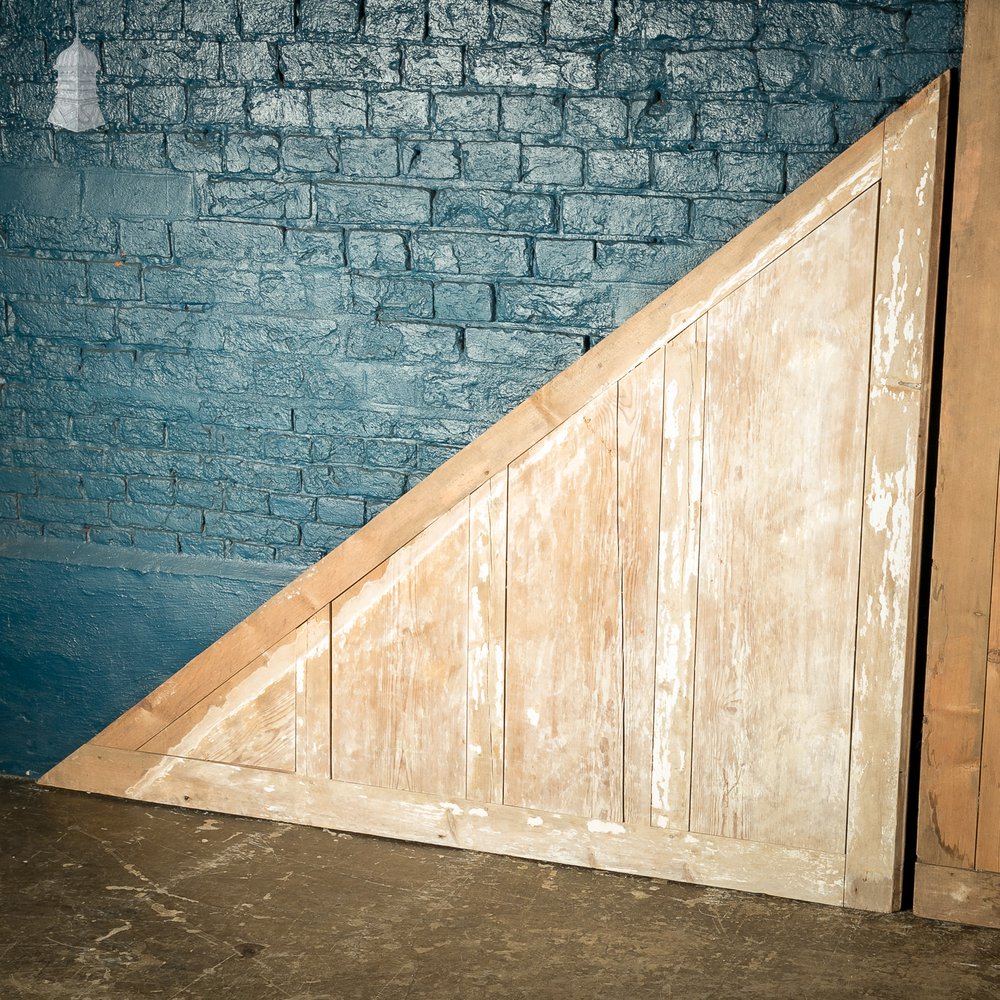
(321, 245)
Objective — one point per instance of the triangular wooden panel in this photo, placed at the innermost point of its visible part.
(659, 619)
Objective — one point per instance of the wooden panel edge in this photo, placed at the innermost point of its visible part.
(964, 897)
(495, 829)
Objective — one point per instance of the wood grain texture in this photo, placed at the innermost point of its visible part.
(966, 897)
(528, 833)
(677, 598)
(564, 636)
(487, 647)
(783, 476)
(640, 433)
(248, 720)
(655, 325)
(312, 696)
(967, 469)
(898, 409)
(399, 653)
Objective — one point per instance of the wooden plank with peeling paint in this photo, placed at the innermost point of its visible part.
(312, 696)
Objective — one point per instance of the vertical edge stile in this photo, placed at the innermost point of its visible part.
(312, 696)
(487, 628)
(895, 466)
(640, 433)
(677, 599)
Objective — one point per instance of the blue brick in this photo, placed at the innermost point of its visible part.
(140, 151)
(751, 172)
(369, 157)
(278, 107)
(629, 69)
(324, 538)
(788, 22)
(686, 172)
(195, 151)
(100, 487)
(339, 110)
(61, 320)
(461, 20)
(527, 66)
(55, 279)
(194, 493)
(721, 219)
(487, 209)
(394, 19)
(661, 119)
(687, 20)
(259, 199)
(395, 297)
(315, 246)
(57, 484)
(335, 16)
(463, 302)
(801, 124)
(197, 545)
(783, 71)
(8, 506)
(800, 167)
(575, 305)
(432, 66)
(579, 19)
(151, 540)
(439, 160)
(377, 250)
(314, 62)
(934, 26)
(17, 481)
(349, 480)
(266, 17)
(167, 327)
(338, 510)
(245, 500)
(309, 154)
(399, 110)
(627, 215)
(131, 195)
(160, 105)
(82, 149)
(64, 510)
(243, 526)
(372, 204)
(248, 61)
(391, 454)
(42, 191)
(539, 114)
(467, 253)
(113, 281)
(596, 117)
(161, 60)
(709, 72)
(522, 346)
(553, 165)
(247, 152)
(732, 121)
(663, 263)
(491, 161)
(564, 259)
(25, 232)
(518, 21)
(184, 286)
(292, 508)
(469, 112)
(214, 106)
(250, 552)
(150, 489)
(618, 168)
(210, 17)
(843, 78)
(229, 241)
(387, 342)
(906, 73)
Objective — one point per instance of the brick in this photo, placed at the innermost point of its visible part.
(579, 19)
(394, 19)
(132, 195)
(393, 297)
(258, 199)
(687, 20)
(553, 165)
(843, 78)
(461, 20)
(491, 161)
(243, 62)
(527, 66)
(621, 69)
(564, 259)
(732, 121)
(377, 251)
(195, 493)
(151, 489)
(522, 346)
(385, 342)
(62, 320)
(313, 62)
(315, 246)
(100, 487)
(432, 66)
(65, 510)
(662, 119)
(372, 203)
(217, 105)
(316, 154)
(575, 305)
(596, 117)
(278, 107)
(369, 157)
(786, 22)
(439, 160)
(55, 279)
(249, 552)
(238, 526)
(292, 508)
(467, 253)
(517, 21)
(160, 105)
(58, 484)
(396, 110)
(783, 71)
(341, 110)
(662, 263)
(537, 114)
(140, 151)
(340, 510)
(934, 26)
(324, 537)
(169, 61)
(198, 151)
(800, 167)
(266, 17)
(44, 191)
(113, 281)
(487, 209)
(622, 214)
(200, 285)
(228, 241)
(82, 149)
(801, 124)
(463, 302)
(906, 73)
(245, 500)
(79, 233)
(348, 480)
(17, 481)
(468, 112)
(210, 17)
(686, 172)
(338, 17)
(751, 172)
(709, 72)
(246, 152)
(618, 168)
(721, 219)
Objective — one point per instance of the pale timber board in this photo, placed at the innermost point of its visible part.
(667, 316)
(399, 655)
(892, 527)
(968, 897)
(487, 647)
(640, 434)
(988, 838)
(677, 597)
(542, 835)
(563, 730)
(781, 502)
(967, 467)
(249, 720)
(312, 696)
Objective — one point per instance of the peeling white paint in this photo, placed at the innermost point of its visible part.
(535, 821)
(600, 826)
(533, 717)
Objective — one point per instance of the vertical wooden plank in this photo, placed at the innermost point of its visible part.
(677, 601)
(564, 648)
(312, 696)
(988, 838)
(967, 467)
(487, 623)
(783, 479)
(640, 433)
(898, 408)
(399, 651)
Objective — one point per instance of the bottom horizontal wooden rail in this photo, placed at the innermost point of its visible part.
(967, 897)
(382, 812)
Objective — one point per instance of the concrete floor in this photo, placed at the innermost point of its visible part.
(108, 900)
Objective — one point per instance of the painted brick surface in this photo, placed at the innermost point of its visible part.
(322, 244)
